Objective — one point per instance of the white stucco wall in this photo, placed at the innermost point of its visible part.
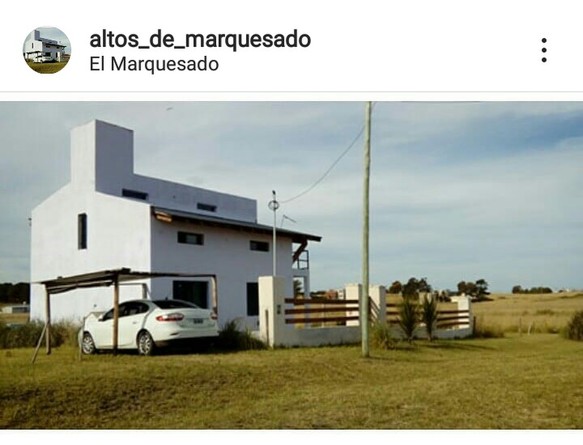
(35, 46)
(183, 197)
(123, 233)
(102, 159)
(118, 236)
(225, 253)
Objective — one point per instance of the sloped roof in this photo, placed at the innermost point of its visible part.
(170, 215)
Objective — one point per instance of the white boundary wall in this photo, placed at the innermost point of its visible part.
(274, 331)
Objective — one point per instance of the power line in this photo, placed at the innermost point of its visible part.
(327, 172)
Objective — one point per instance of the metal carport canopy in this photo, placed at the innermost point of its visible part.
(103, 279)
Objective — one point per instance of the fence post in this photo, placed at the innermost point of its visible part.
(465, 304)
(352, 292)
(272, 310)
(378, 295)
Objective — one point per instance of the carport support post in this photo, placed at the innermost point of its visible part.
(48, 320)
(115, 312)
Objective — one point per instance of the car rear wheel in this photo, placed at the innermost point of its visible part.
(87, 344)
(146, 344)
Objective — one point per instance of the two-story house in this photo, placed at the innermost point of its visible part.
(40, 49)
(107, 217)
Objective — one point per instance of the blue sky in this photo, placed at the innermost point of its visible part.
(459, 190)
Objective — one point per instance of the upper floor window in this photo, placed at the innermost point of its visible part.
(206, 207)
(82, 231)
(259, 246)
(191, 238)
(134, 194)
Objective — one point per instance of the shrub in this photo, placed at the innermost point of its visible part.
(231, 338)
(408, 318)
(27, 335)
(429, 315)
(381, 337)
(574, 329)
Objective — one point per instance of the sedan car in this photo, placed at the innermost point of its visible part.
(147, 324)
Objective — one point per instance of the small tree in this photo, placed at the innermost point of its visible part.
(471, 289)
(423, 286)
(429, 315)
(574, 329)
(411, 289)
(462, 287)
(481, 289)
(408, 318)
(396, 287)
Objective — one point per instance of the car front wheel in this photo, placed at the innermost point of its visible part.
(87, 344)
(145, 343)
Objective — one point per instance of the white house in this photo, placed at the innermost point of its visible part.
(40, 49)
(108, 217)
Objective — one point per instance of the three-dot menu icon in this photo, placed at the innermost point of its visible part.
(544, 49)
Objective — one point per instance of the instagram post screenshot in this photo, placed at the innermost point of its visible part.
(261, 220)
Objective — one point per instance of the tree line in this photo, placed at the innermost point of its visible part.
(14, 293)
(533, 290)
(415, 287)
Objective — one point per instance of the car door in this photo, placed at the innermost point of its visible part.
(130, 322)
(102, 331)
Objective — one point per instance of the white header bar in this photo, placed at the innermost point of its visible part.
(256, 46)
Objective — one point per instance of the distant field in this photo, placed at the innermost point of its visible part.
(516, 382)
(542, 313)
(13, 318)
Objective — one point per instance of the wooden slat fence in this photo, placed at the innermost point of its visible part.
(323, 312)
(319, 312)
(449, 317)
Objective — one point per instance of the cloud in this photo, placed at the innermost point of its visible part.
(458, 190)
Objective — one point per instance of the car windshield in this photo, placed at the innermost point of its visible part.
(174, 304)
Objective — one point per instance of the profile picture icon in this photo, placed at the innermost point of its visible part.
(46, 50)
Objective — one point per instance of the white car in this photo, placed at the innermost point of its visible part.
(147, 324)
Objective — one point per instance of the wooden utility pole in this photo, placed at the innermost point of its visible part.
(274, 205)
(115, 313)
(48, 320)
(364, 304)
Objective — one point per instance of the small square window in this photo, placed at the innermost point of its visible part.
(259, 246)
(196, 239)
(136, 194)
(206, 207)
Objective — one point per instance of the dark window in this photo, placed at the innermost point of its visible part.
(82, 231)
(193, 291)
(108, 315)
(259, 246)
(134, 194)
(127, 309)
(206, 207)
(133, 308)
(252, 299)
(191, 238)
(173, 304)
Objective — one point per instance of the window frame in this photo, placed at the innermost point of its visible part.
(259, 246)
(82, 231)
(183, 237)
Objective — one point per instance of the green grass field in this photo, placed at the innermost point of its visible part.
(520, 381)
(516, 382)
(542, 313)
(47, 68)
